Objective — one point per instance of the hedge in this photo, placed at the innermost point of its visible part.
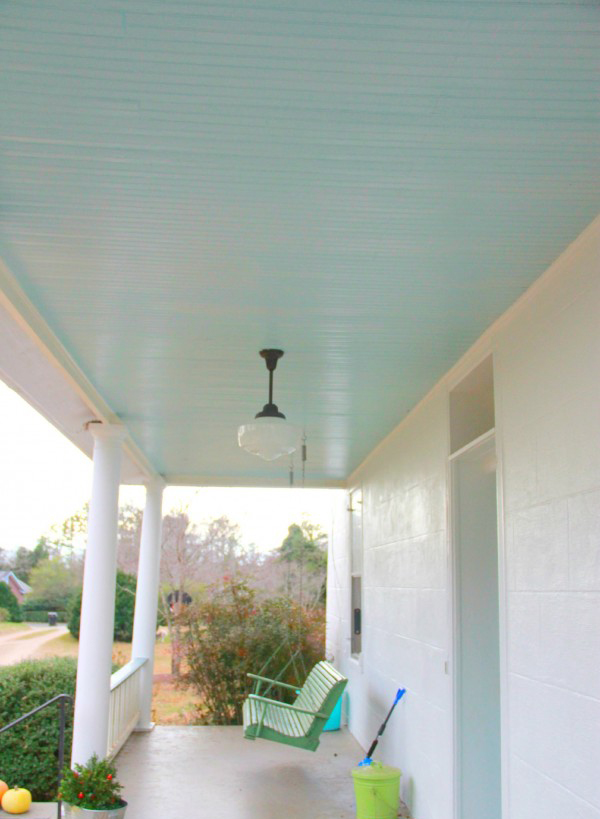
(45, 604)
(29, 752)
(10, 602)
(42, 616)
(36, 611)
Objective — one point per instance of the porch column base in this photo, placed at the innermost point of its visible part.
(141, 729)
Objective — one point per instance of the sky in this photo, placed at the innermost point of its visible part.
(44, 479)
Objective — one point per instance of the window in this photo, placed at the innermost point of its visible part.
(356, 567)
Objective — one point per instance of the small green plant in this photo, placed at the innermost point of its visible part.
(93, 786)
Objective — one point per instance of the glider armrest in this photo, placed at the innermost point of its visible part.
(273, 682)
(286, 705)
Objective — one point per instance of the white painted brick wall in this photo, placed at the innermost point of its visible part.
(547, 382)
(547, 361)
(405, 608)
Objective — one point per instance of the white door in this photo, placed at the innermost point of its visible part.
(477, 656)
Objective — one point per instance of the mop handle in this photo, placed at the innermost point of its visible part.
(399, 695)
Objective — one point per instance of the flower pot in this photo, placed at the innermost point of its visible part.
(75, 812)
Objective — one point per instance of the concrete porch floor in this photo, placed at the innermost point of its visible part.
(213, 772)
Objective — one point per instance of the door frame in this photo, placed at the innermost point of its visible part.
(490, 435)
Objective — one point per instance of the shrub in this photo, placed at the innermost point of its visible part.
(74, 620)
(4, 615)
(10, 602)
(234, 633)
(29, 752)
(124, 607)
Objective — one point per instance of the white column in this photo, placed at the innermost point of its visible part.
(94, 666)
(146, 597)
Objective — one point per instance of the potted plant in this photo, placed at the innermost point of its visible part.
(92, 791)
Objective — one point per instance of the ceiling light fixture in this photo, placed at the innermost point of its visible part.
(270, 435)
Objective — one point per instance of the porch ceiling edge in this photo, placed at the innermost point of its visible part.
(82, 401)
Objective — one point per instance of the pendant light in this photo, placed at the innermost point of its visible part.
(269, 435)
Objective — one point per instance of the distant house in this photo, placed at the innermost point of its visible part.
(18, 587)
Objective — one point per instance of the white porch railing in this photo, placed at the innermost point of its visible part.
(124, 710)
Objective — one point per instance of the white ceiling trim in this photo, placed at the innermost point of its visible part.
(250, 481)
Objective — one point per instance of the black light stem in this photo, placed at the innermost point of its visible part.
(303, 459)
(271, 358)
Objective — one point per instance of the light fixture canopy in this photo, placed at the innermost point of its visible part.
(269, 435)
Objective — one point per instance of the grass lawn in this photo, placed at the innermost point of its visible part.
(67, 646)
(172, 703)
(64, 646)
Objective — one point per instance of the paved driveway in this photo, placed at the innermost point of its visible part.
(21, 645)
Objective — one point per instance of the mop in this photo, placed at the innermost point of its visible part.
(369, 757)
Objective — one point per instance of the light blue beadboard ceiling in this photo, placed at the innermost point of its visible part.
(367, 185)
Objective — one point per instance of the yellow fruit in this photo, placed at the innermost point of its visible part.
(16, 800)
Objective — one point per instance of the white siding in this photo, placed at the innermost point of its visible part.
(547, 383)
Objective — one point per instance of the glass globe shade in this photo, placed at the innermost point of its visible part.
(269, 438)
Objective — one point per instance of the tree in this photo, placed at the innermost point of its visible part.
(71, 533)
(9, 602)
(304, 552)
(220, 550)
(53, 582)
(41, 551)
(124, 608)
(129, 537)
(26, 559)
(180, 551)
(179, 566)
(68, 538)
(192, 560)
(191, 557)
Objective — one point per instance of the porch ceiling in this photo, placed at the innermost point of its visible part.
(366, 186)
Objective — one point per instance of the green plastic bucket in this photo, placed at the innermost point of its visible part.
(377, 791)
